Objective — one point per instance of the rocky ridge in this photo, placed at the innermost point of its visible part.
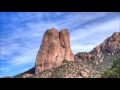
(110, 46)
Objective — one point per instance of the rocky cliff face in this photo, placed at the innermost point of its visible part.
(54, 49)
(110, 46)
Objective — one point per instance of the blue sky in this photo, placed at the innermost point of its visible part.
(21, 34)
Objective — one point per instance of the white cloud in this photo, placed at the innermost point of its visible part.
(26, 57)
(7, 50)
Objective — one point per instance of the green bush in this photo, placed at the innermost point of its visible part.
(114, 72)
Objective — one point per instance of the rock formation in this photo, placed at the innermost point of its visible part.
(84, 74)
(97, 50)
(54, 49)
(86, 56)
(111, 46)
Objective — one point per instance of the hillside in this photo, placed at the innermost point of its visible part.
(84, 65)
(78, 69)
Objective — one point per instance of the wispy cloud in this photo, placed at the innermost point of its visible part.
(21, 34)
(2, 69)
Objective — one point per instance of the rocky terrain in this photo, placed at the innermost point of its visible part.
(78, 69)
(56, 60)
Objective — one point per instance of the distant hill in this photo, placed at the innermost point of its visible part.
(30, 71)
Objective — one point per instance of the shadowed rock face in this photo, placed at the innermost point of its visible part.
(54, 49)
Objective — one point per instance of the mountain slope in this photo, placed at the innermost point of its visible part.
(86, 65)
(78, 69)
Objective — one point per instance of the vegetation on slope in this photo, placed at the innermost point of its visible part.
(114, 72)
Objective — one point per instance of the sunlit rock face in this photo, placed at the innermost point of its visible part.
(54, 49)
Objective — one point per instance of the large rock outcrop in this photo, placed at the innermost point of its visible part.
(54, 49)
(87, 57)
